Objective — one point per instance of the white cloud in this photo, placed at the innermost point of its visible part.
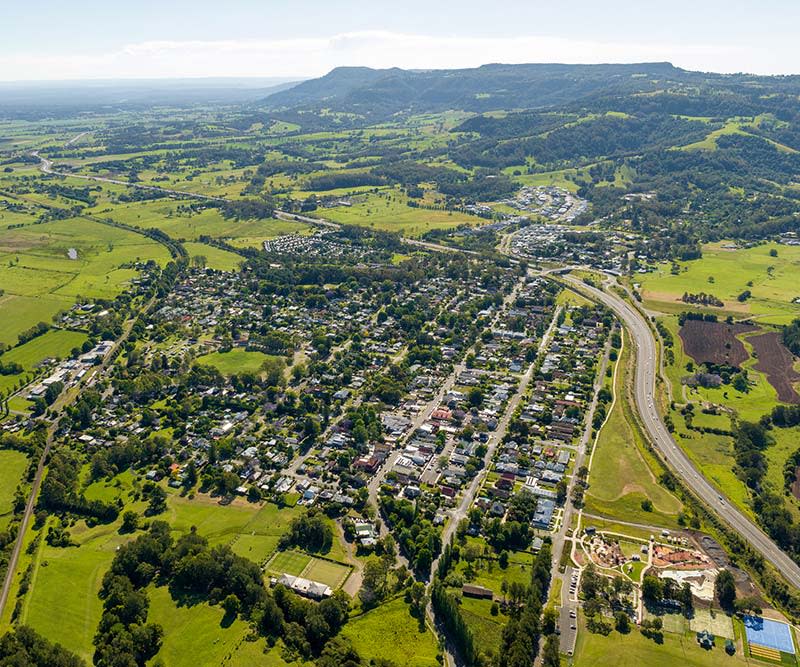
(312, 57)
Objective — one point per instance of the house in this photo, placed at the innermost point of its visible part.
(705, 639)
(545, 508)
(472, 591)
(305, 587)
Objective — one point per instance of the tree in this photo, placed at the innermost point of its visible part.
(190, 476)
(274, 370)
(231, 605)
(130, 521)
(622, 622)
(25, 647)
(725, 590)
(503, 559)
(419, 599)
(157, 500)
(652, 589)
(475, 397)
(550, 653)
(374, 582)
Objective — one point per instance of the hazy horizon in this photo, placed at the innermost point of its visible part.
(300, 40)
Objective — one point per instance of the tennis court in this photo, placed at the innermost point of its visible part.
(764, 632)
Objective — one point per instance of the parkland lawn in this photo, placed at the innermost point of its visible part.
(634, 650)
(237, 360)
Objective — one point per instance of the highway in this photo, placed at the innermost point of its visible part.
(46, 167)
(674, 456)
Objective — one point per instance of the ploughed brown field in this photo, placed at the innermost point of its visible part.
(775, 360)
(715, 342)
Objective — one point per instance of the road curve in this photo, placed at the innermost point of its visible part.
(675, 457)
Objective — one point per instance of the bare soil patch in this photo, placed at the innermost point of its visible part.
(715, 342)
(777, 362)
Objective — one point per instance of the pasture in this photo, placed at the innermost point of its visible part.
(194, 634)
(62, 602)
(487, 629)
(387, 210)
(39, 279)
(164, 215)
(726, 273)
(55, 344)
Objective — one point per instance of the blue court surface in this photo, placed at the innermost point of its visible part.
(768, 633)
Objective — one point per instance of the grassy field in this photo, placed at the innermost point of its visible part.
(326, 572)
(388, 210)
(194, 634)
(487, 629)
(222, 523)
(164, 216)
(300, 564)
(714, 453)
(62, 603)
(18, 313)
(288, 562)
(220, 260)
(197, 634)
(634, 650)
(38, 278)
(772, 291)
(389, 631)
(12, 466)
(238, 360)
(53, 344)
(620, 477)
(710, 141)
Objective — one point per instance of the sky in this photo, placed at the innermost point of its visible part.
(98, 39)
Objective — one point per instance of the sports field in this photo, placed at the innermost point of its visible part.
(303, 565)
(288, 562)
